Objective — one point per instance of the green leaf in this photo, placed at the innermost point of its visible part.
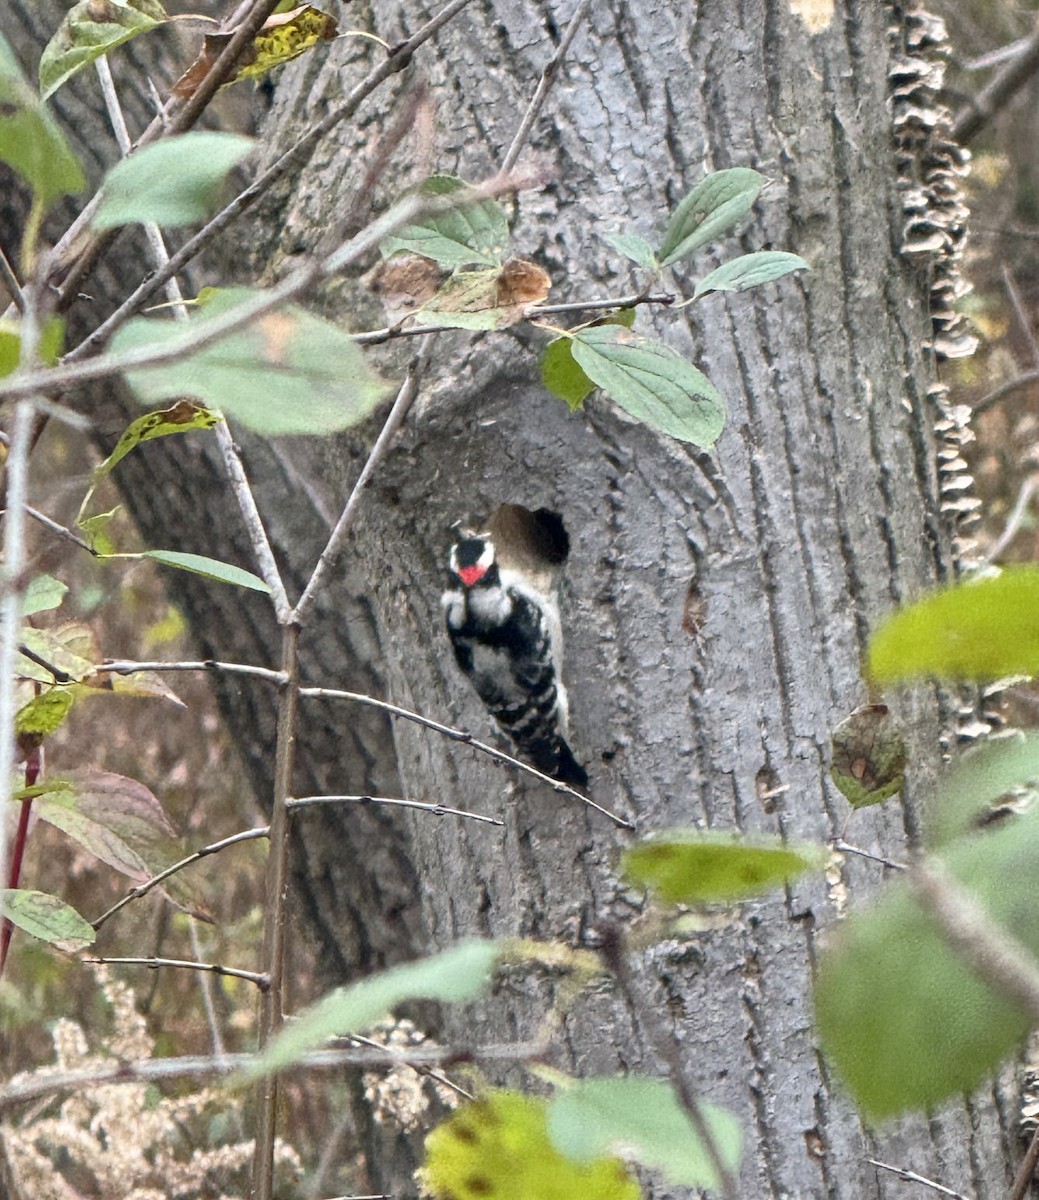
(285, 372)
(710, 209)
(286, 34)
(117, 819)
(70, 648)
(562, 376)
(634, 247)
(905, 1022)
(498, 1148)
(46, 917)
(210, 567)
(692, 866)
(459, 973)
(44, 713)
(869, 756)
(750, 270)
(181, 417)
(981, 630)
(474, 233)
(91, 29)
(52, 337)
(30, 141)
(652, 383)
(176, 181)
(978, 779)
(43, 593)
(95, 529)
(643, 1119)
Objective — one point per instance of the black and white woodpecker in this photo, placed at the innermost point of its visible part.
(508, 640)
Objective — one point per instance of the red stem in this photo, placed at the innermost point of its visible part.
(14, 875)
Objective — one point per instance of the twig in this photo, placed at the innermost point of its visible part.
(419, 1068)
(459, 735)
(401, 406)
(228, 452)
(202, 334)
(548, 76)
(11, 600)
(61, 531)
(397, 61)
(129, 667)
(253, 523)
(1005, 389)
(375, 337)
(1017, 515)
(543, 310)
(1025, 1173)
(153, 964)
(274, 913)
(142, 889)
(157, 1070)
(1020, 314)
(844, 847)
(912, 1177)
(614, 953)
(56, 673)
(438, 810)
(205, 987)
(78, 249)
(9, 278)
(982, 943)
(993, 97)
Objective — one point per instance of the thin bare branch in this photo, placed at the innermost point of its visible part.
(912, 1177)
(142, 889)
(274, 911)
(1025, 1174)
(615, 951)
(844, 847)
(548, 77)
(199, 335)
(158, 1070)
(205, 987)
(9, 278)
(60, 530)
(1017, 515)
(438, 810)
(1025, 379)
(77, 251)
(1021, 315)
(397, 61)
(11, 600)
(375, 337)
(153, 964)
(542, 310)
(120, 666)
(993, 97)
(253, 522)
(401, 407)
(421, 1069)
(460, 735)
(1002, 963)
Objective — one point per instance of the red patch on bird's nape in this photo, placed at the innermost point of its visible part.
(471, 575)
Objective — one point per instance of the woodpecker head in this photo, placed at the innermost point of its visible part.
(472, 562)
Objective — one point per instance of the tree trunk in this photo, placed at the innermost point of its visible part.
(716, 604)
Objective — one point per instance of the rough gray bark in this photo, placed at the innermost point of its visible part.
(716, 604)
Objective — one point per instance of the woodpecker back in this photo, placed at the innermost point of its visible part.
(507, 639)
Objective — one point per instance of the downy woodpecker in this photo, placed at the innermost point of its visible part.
(508, 641)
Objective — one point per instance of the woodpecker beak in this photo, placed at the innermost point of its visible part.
(471, 575)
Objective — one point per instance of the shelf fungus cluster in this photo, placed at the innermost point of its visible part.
(930, 169)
